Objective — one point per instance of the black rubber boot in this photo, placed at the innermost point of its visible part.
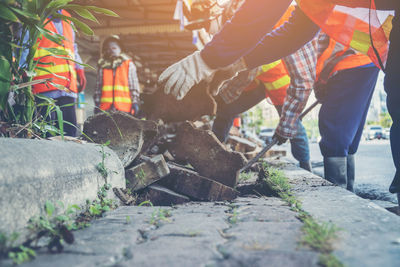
(395, 186)
(306, 165)
(350, 172)
(335, 170)
(398, 199)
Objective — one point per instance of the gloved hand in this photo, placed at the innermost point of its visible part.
(281, 139)
(180, 77)
(135, 109)
(231, 89)
(80, 73)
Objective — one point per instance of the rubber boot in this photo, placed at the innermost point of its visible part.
(395, 185)
(335, 170)
(350, 172)
(306, 166)
(398, 199)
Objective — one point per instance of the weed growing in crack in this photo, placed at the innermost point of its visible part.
(141, 175)
(233, 217)
(328, 260)
(159, 216)
(22, 254)
(317, 236)
(101, 167)
(57, 228)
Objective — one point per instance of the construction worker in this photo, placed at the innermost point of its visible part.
(63, 87)
(247, 38)
(117, 82)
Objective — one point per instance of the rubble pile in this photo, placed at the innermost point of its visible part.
(175, 162)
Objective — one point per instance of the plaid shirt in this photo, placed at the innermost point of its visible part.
(133, 82)
(302, 71)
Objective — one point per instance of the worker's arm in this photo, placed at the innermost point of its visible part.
(248, 26)
(301, 67)
(283, 41)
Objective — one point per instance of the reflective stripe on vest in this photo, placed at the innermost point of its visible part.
(335, 50)
(351, 27)
(64, 77)
(115, 90)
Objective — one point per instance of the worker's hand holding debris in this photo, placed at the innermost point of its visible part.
(180, 77)
(231, 89)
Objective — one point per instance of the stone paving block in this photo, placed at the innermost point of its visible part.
(198, 102)
(207, 154)
(190, 183)
(146, 173)
(161, 196)
(127, 135)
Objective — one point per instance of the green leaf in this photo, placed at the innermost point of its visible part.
(60, 121)
(7, 14)
(56, 51)
(49, 207)
(84, 13)
(102, 11)
(54, 37)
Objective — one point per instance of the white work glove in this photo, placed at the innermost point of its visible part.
(180, 77)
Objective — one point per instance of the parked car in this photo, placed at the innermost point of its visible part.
(266, 134)
(374, 132)
(386, 133)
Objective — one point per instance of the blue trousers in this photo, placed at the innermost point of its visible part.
(344, 110)
(392, 88)
(227, 112)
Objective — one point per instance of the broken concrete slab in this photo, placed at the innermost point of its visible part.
(207, 154)
(35, 171)
(146, 173)
(126, 134)
(197, 102)
(190, 183)
(162, 196)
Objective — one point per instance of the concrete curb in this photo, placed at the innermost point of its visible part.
(35, 171)
(369, 235)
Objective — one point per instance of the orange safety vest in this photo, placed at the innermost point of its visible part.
(350, 61)
(62, 70)
(352, 27)
(115, 90)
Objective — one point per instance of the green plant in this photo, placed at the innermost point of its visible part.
(245, 176)
(22, 254)
(141, 175)
(329, 260)
(160, 215)
(101, 167)
(22, 23)
(319, 236)
(233, 217)
(57, 228)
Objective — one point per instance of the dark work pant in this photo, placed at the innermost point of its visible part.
(67, 106)
(344, 110)
(226, 113)
(392, 88)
